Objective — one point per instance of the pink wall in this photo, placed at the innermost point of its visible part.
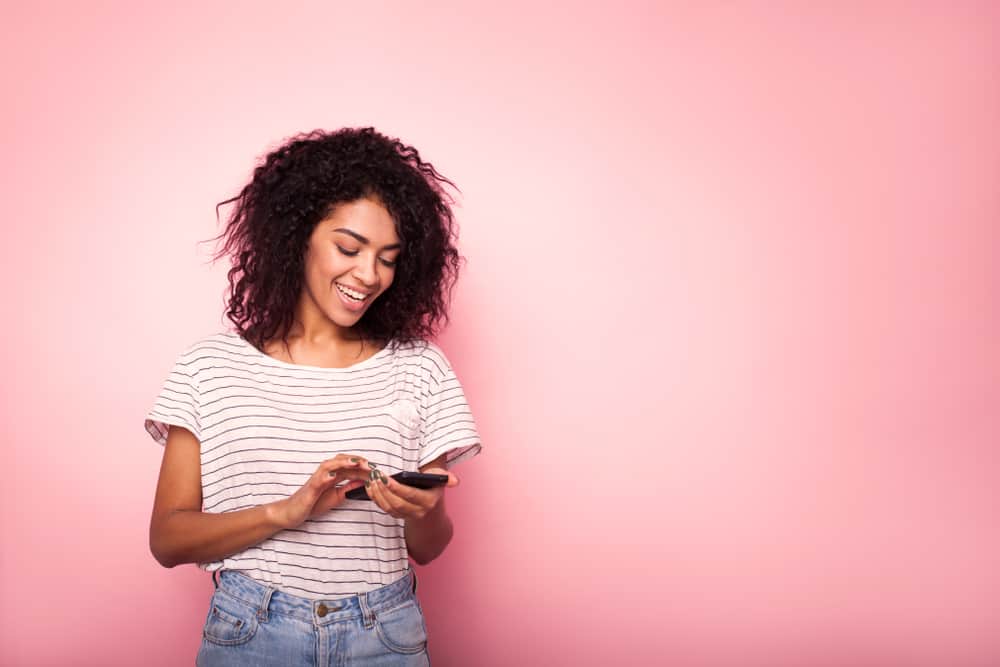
(729, 320)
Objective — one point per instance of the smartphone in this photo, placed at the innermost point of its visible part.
(420, 480)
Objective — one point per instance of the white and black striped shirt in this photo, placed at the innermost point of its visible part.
(265, 425)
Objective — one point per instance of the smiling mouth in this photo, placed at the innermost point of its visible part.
(352, 294)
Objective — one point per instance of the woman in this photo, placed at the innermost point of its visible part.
(343, 262)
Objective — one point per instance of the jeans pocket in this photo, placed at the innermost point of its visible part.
(229, 622)
(401, 629)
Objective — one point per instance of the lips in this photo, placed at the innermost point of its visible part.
(351, 303)
(358, 294)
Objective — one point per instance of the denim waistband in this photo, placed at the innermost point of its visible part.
(269, 600)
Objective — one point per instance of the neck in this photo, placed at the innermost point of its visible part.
(312, 327)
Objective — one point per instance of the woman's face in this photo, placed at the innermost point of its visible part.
(350, 260)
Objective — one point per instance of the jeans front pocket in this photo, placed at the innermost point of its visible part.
(230, 621)
(401, 629)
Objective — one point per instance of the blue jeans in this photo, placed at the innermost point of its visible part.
(250, 624)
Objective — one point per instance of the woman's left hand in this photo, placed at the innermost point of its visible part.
(406, 502)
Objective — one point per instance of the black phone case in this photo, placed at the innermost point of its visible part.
(419, 480)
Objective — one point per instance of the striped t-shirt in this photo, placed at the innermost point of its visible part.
(265, 425)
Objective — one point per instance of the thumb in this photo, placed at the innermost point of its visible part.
(333, 497)
(342, 491)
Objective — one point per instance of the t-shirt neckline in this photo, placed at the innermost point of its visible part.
(268, 359)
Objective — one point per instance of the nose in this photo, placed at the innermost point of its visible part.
(364, 270)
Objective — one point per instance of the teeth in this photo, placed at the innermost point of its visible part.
(357, 296)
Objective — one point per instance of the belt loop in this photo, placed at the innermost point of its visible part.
(264, 604)
(366, 611)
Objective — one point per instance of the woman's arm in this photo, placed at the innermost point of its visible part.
(179, 532)
(427, 538)
(428, 529)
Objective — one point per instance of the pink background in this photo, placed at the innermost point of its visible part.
(728, 322)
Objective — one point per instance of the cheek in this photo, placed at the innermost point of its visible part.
(328, 266)
(387, 278)
(315, 263)
(316, 274)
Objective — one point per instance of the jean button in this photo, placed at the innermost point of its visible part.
(322, 610)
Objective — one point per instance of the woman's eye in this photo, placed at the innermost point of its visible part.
(345, 251)
(391, 263)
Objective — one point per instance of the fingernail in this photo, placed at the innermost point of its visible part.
(373, 474)
(355, 459)
(368, 483)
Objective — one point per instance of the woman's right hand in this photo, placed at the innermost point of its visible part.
(320, 493)
(181, 532)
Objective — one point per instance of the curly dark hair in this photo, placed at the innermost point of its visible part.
(294, 188)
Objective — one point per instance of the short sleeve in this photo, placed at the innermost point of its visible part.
(446, 422)
(177, 404)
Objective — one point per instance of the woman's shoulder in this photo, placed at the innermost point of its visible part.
(423, 353)
(219, 343)
(418, 347)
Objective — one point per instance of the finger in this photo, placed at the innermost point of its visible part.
(415, 503)
(342, 462)
(378, 494)
(348, 474)
(361, 462)
(331, 498)
(322, 484)
(426, 498)
(342, 490)
(374, 493)
(400, 506)
(340, 476)
(378, 501)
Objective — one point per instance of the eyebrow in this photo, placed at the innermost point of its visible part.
(362, 239)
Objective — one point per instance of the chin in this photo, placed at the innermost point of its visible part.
(345, 321)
